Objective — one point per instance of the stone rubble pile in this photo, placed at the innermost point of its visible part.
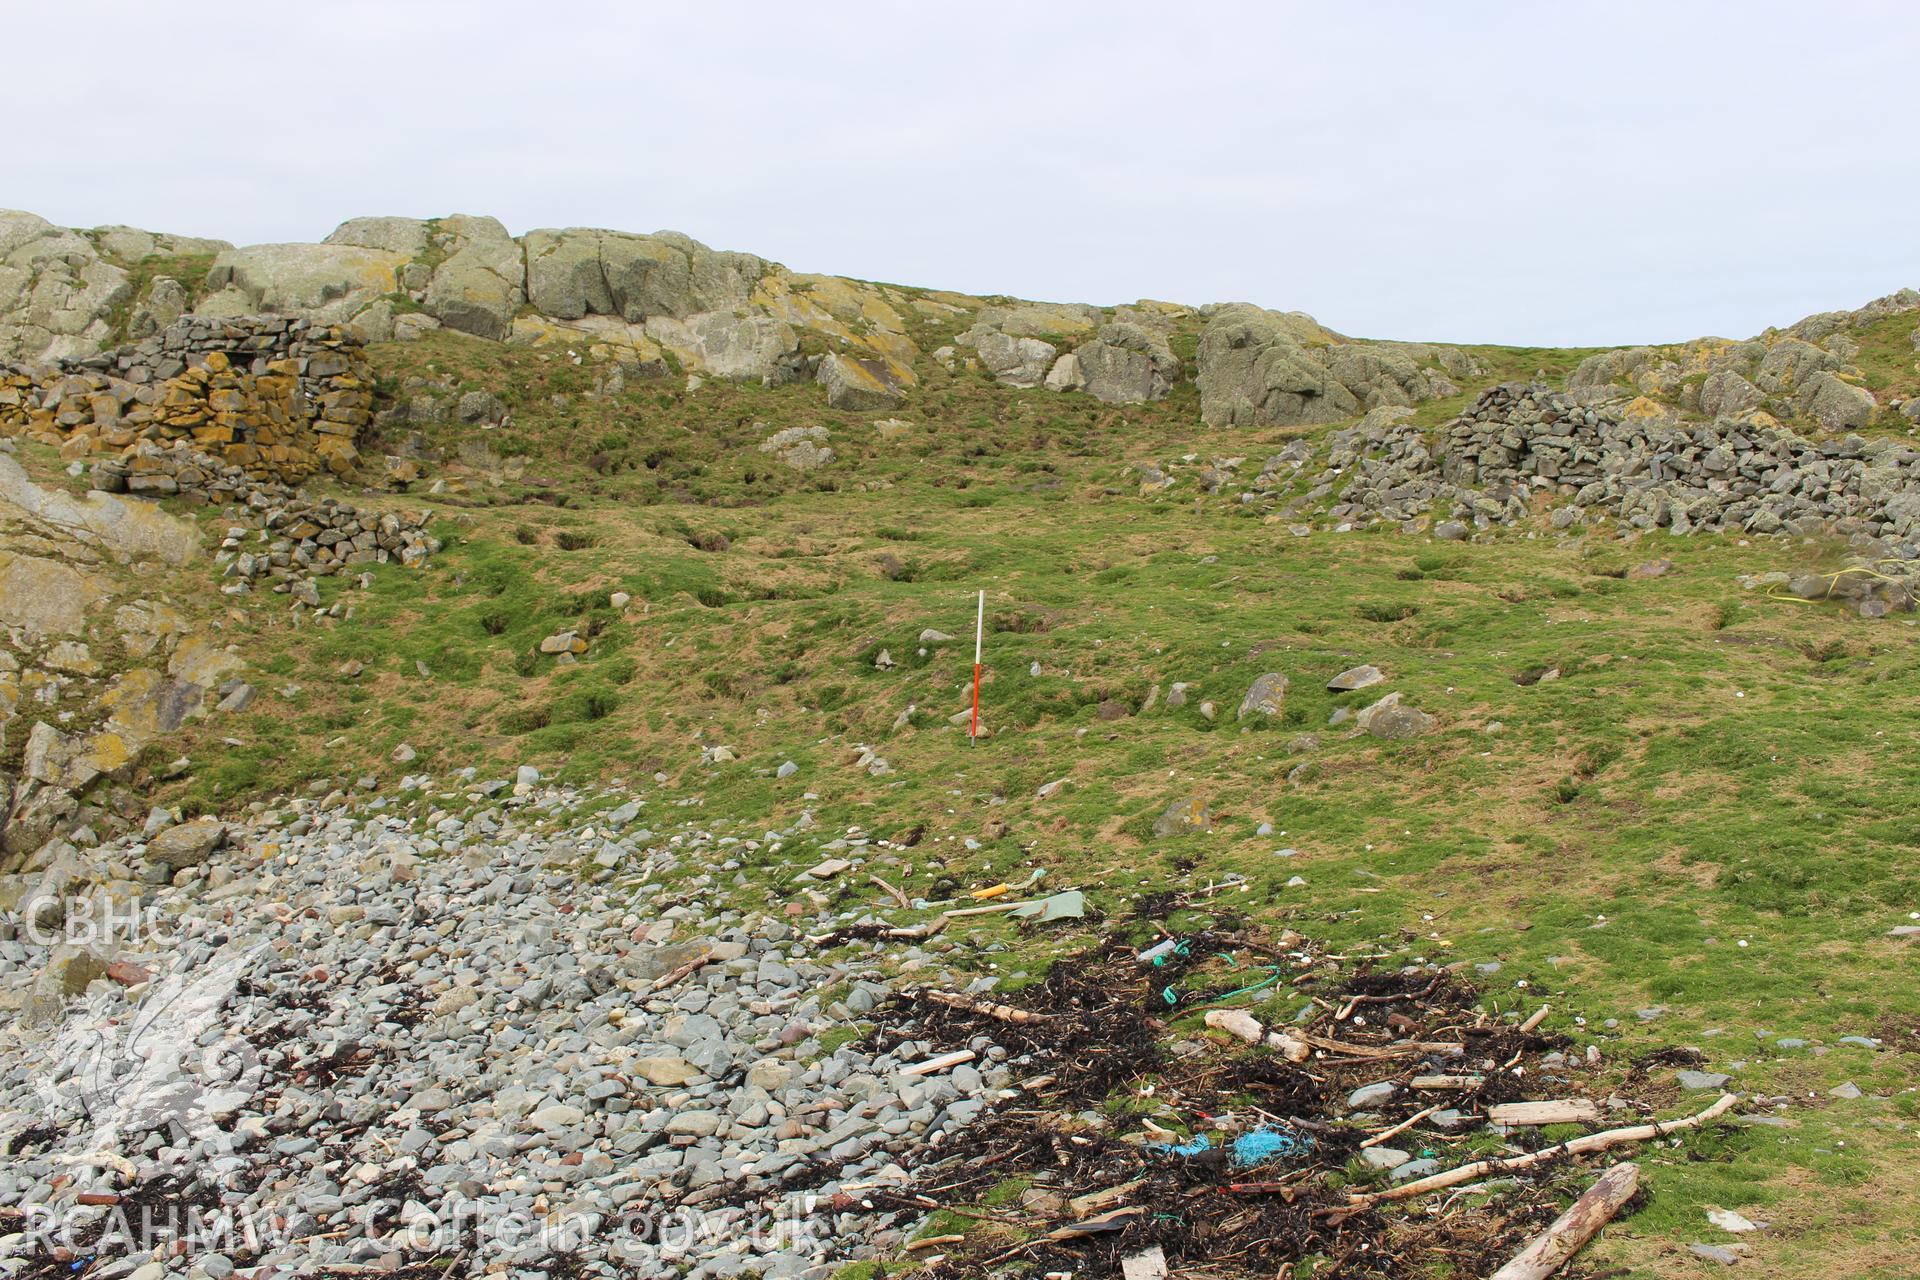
(384, 1037)
(1519, 446)
(1522, 450)
(277, 397)
(300, 539)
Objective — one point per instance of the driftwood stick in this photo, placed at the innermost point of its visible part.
(1572, 1147)
(1400, 1049)
(932, 1242)
(906, 903)
(998, 1012)
(1403, 1126)
(1539, 1016)
(941, 1063)
(1550, 1250)
(1556, 1111)
(698, 962)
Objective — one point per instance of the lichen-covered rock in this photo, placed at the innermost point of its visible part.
(71, 762)
(1183, 817)
(1380, 376)
(404, 236)
(374, 322)
(324, 282)
(166, 300)
(802, 448)
(56, 291)
(859, 385)
(39, 814)
(1065, 374)
(1726, 394)
(1789, 362)
(46, 597)
(1013, 362)
(1039, 319)
(578, 271)
(1266, 697)
(187, 845)
(481, 282)
(740, 348)
(1127, 364)
(1255, 371)
(129, 531)
(1361, 677)
(1835, 405)
(1391, 719)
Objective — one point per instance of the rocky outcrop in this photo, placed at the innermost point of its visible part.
(44, 596)
(126, 670)
(466, 271)
(323, 283)
(1804, 371)
(482, 280)
(1725, 394)
(60, 289)
(1016, 362)
(579, 272)
(55, 289)
(1255, 371)
(407, 237)
(859, 385)
(638, 301)
(1119, 362)
(1126, 364)
(127, 531)
(1265, 368)
(742, 348)
(1057, 320)
(1835, 405)
(62, 644)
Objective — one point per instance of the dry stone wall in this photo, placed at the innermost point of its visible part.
(278, 397)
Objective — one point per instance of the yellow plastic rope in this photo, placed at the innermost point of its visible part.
(1833, 580)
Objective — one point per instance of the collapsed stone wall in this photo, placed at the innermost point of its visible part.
(1522, 446)
(1522, 451)
(295, 538)
(278, 397)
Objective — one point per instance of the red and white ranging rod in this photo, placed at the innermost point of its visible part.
(979, 632)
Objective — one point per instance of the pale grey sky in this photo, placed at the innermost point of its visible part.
(1515, 172)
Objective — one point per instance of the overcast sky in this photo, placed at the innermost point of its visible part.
(1525, 172)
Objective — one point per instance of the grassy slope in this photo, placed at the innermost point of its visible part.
(1712, 766)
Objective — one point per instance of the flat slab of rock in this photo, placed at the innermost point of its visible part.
(666, 1070)
(826, 870)
(1372, 1095)
(1363, 677)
